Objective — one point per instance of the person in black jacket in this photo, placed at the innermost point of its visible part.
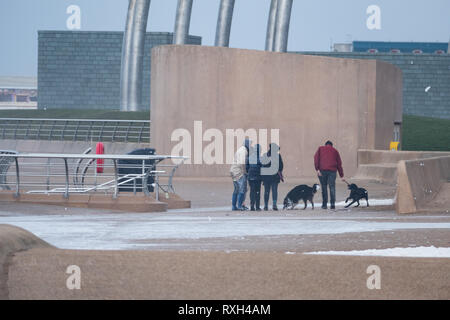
(271, 173)
(254, 178)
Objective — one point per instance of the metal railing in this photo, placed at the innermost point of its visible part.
(75, 130)
(66, 174)
(5, 162)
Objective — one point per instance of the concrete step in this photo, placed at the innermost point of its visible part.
(384, 172)
(393, 157)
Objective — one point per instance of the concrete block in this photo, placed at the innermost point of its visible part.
(419, 182)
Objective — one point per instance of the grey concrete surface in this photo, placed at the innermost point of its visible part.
(210, 252)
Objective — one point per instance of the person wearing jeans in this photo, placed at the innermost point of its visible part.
(240, 189)
(238, 172)
(327, 162)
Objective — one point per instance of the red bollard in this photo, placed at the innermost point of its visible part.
(100, 149)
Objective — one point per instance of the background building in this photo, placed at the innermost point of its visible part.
(425, 67)
(81, 69)
(400, 47)
(18, 92)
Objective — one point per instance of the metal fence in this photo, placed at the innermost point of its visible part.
(5, 163)
(75, 130)
(67, 174)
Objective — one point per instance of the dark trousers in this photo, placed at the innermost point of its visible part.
(270, 185)
(328, 179)
(255, 193)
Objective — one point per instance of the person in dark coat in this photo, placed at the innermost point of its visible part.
(271, 173)
(254, 178)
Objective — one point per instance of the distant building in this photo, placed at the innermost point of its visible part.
(18, 92)
(81, 69)
(343, 47)
(393, 47)
(425, 67)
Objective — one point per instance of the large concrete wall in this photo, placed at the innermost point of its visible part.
(81, 69)
(309, 99)
(419, 72)
(419, 182)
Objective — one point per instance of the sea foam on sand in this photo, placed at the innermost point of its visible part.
(423, 252)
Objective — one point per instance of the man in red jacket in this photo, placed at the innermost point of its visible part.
(327, 161)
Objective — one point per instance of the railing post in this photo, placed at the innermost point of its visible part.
(140, 133)
(48, 174)
(172, 173)
(15, 130)
(17, 194)
(95, 174)
(39, 130)
(128, 131)
(145, 191)
(100, 136)
(3, 131)
(116, 177)
(51, 130)
(28, 129)
(63, 131)
(114, 133)
(66, 194)
(90, 134)
(76, 131)
(157, 187)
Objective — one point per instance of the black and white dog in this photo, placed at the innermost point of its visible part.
(356, 194)
(301, 192)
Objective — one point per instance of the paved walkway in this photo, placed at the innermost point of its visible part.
(210, 252)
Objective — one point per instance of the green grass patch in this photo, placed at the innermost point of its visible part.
(425, 134)
(76, 114)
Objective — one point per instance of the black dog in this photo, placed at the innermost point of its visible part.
(301, 192)
(356, 194)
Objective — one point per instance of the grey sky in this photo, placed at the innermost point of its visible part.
(315, 24)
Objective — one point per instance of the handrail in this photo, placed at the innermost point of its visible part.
(75, 129)
(88, 120)
(66, 180)
(92, 156)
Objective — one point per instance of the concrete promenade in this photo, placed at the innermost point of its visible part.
(210, 252)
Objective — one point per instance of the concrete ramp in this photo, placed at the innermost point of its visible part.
(13, 240)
